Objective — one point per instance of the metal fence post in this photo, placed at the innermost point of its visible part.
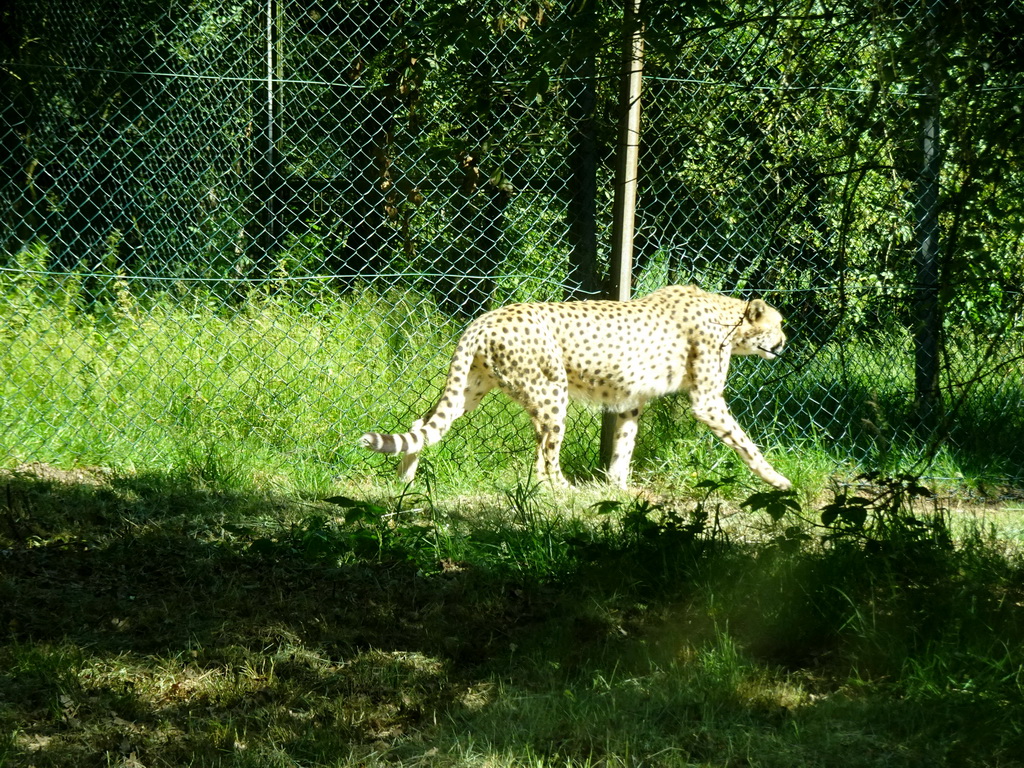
(927, 319)
(268, 202)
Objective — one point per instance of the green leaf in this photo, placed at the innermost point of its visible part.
(265, 547)
(537, 87)
(364, 513)
(856, 516)
(775, 503)
(317, 546)
(606, 507)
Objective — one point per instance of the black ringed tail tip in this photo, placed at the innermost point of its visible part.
(375, 442)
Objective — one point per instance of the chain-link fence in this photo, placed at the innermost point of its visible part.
(260, 225)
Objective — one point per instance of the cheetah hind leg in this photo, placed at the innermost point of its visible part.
(548, 467)
(547, 407)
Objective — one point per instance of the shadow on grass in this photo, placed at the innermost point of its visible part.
(153, 617)
(149, 620)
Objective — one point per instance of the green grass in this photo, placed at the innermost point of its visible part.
(154, 620)
(198, 567)
(275, 390)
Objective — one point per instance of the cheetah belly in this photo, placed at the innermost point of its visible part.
(622, 379)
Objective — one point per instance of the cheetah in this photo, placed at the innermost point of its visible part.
(616, 354)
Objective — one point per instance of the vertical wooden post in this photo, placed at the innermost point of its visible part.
(627, 161)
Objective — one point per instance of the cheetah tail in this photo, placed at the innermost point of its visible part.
(412, 441)
(434, 425)
(423, 432)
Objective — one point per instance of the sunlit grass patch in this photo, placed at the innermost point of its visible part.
(274, 391)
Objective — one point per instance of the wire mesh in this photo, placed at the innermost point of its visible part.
(265, 223)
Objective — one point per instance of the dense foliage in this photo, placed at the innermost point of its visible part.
(781, 146)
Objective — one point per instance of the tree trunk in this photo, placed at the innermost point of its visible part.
(584, 278)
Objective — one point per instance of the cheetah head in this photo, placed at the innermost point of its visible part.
(760, 332)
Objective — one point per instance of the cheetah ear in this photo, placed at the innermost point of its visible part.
(755, 310)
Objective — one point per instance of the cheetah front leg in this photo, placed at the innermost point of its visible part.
(713, 411)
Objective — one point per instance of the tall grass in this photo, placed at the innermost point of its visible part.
(276, 388)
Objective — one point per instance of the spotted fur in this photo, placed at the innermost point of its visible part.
(618, 355)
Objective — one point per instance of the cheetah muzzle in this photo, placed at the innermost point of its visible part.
(619, 355)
